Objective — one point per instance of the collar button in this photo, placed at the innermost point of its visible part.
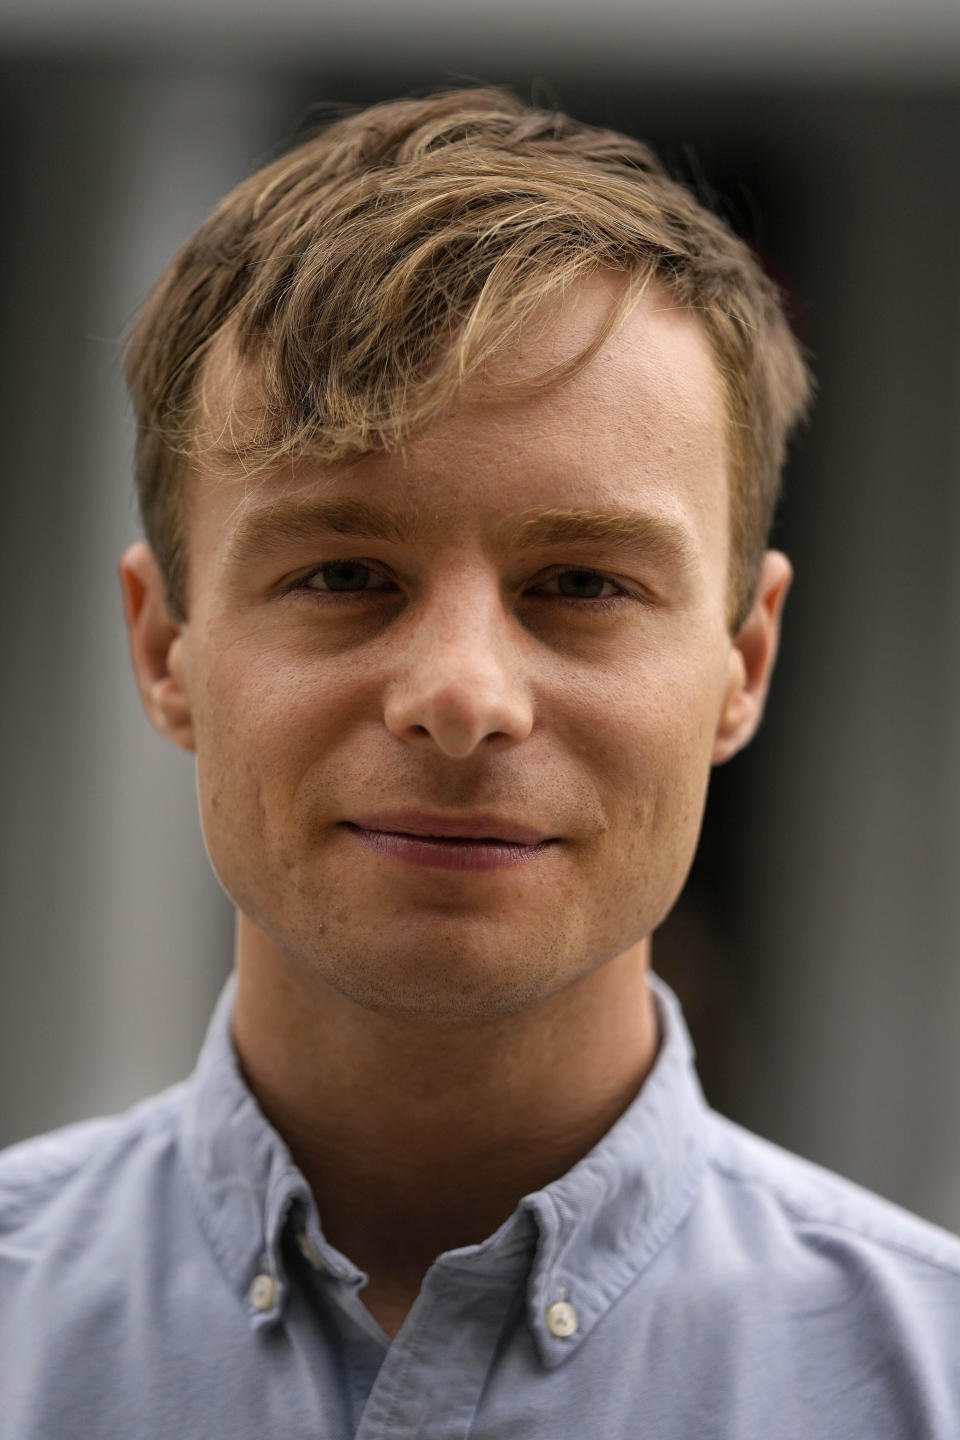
(262, 1292)
(562, 1319)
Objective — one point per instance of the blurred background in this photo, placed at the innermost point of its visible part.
(816, 947)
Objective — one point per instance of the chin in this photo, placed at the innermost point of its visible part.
(451, 1005)
(453, 979)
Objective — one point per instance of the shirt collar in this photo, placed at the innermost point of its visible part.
(586, 1236)
(603, 1221)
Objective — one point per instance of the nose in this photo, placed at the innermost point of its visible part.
(459, 683)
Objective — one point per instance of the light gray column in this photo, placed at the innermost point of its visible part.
(856, 861)
(117, 937)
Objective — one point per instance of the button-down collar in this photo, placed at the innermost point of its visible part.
(579, 1242)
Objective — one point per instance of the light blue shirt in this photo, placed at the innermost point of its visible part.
(164, 1274)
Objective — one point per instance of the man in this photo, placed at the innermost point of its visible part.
(460, 433)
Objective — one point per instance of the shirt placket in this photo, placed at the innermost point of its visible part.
(433, 1377)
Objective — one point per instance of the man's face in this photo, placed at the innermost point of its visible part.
(473, 660)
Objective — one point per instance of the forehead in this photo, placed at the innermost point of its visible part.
(642, 423)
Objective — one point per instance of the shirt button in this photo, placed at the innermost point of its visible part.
(562, 1319)
(262, 1292)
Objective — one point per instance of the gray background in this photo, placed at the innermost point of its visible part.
(816, 948)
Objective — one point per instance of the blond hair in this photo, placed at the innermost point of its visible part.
(378, 266)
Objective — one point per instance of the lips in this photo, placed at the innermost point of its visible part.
(446, 842)
(493, 828)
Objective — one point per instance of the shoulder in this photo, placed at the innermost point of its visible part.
(824, 1209)
(54, 1180)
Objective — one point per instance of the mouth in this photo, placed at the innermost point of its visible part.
(475, 842)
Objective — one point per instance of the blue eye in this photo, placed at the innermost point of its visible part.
(582, 585)
(342, 576)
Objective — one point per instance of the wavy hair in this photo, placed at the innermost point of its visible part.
(375, 268)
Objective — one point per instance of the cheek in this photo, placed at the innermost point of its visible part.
(652, 768)
(257, 728)
(647, 736)
(260, 708)
(276, 732)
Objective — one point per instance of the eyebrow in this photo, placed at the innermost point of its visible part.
(634, 530)
(292, 522)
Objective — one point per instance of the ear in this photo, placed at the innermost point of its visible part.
(156, 646)
(752, 654)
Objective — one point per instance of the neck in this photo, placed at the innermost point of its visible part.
(454, 1125)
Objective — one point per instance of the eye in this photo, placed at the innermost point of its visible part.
(344, 577)
(581, 585)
